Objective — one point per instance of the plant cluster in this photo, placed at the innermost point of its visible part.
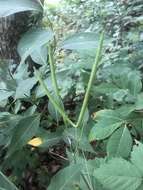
(82, 94)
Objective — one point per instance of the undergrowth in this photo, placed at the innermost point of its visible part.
(73, 120)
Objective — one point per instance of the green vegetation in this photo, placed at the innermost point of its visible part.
(72, 111)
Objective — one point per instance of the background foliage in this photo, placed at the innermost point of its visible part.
(40, 146)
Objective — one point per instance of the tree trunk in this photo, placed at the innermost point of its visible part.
(11, 30)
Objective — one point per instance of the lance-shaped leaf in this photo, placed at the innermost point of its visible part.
(8, 7)
(5, 183)
(119, 174)
(33, 41)
(120, 143)
(66, 178)
(23, 132)
(24, 87)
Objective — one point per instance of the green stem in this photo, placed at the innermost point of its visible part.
(53, 75)
(54, 78)
(92, 76)
(56, 105)
(86, 182)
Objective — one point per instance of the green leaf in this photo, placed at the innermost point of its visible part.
(9, 120)
(133, 82)
(78, 137)
(7, 82)
(118, 174)
(88, 167)
(107, 122)
(40, 55)
(128, 79)
(106, 88)
(137, 155)
(139, 102)
(40, 92)
(5, 183)
(4, 94)
(140, 187)
(120, 143)
(49, 138)
(87, 40)
(23, 132)
(8, 7)
(29, 111)
(125, 110)
(112, 90)
(53, 112)
(21, 72)
(66, 178)
(24, 87)
(32, 41)
(64, 85)
(122, 84)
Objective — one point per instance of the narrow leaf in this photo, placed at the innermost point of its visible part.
(23, 132)
(120, 143)
(66, 178)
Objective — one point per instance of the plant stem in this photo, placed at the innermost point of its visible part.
(92, 76)
(54, 79)
(53, 75)
(86, 182)
(56, 105)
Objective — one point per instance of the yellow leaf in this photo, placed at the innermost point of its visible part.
(94, 115)
(35, 142)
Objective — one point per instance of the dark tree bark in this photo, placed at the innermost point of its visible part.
(11, 29)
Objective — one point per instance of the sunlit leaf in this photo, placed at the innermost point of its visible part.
(35, 142)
